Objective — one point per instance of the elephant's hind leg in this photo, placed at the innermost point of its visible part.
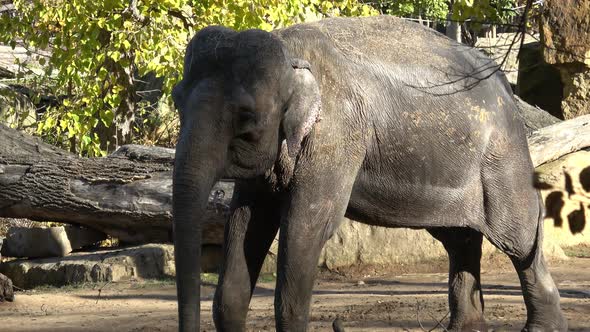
(514, 224)
(463, 246)
(249, 233)
(540, 293)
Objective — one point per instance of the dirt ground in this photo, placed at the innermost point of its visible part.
(397, 300)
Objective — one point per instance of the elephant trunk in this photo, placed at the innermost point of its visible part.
(192, 182)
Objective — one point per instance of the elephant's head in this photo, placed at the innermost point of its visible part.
(240, 98)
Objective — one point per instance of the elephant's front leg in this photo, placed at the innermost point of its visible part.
(317, 205)
(249, 233)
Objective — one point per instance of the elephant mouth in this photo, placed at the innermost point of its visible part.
(243, 169)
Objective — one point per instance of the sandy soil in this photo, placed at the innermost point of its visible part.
(394, 301)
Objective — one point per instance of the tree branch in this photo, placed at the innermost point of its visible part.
(134, 12)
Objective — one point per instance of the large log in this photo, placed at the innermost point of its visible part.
(534, 117)
(125, 195)
(550, 143)
(128, 194)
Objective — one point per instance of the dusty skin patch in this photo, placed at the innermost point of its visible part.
(500, 102)
(381, 302)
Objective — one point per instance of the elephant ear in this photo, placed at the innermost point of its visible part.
(303, 108)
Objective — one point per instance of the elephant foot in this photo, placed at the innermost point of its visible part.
(534, 328)
(469, 326)
(337, 325)
(549, 323)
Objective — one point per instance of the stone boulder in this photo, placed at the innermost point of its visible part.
(59, 241)
(576, 90)
(567, 199)
(151, 261)
(565, 35)
(6, 289)
(565, 27)
(355, 243)
(36, 242)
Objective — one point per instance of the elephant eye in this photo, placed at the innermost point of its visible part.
(246, 115)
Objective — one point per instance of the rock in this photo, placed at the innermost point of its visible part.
(355, 243)
(140, 262)
(6, 289)
(560, 225)
(81, 237)
(359, 244)
(539, 83)
(565, 27)
(149, 261)
(565, 34)
(36, 242)
(576, 90)
(59, 241)
(552, 250)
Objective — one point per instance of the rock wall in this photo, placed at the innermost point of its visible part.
(576, 90)
(150, 261)
(565, 228)
(565, 35)
(539, 83)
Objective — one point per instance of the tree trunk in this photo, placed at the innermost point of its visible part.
(6, 73)
(534, 117)
(550, 143)
(128, 194)
(453, 27)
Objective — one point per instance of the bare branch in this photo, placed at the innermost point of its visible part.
(134, 12)
(187, 21)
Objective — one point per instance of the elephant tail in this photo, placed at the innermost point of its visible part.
(337, 325)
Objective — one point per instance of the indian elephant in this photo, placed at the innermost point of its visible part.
(381, 120)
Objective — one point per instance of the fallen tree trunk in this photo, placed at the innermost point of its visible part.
(550, 143)
(128, 195)
(534, 117)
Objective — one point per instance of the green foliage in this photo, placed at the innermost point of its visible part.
(430, 9)
(479, 10)
(484, 10)
(89, 53)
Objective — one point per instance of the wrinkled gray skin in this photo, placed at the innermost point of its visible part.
(378, 119)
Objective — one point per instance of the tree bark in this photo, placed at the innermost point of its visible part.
(6, 73)
(534, 117)
(550, 143)
(128, 194)
(453, 27)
